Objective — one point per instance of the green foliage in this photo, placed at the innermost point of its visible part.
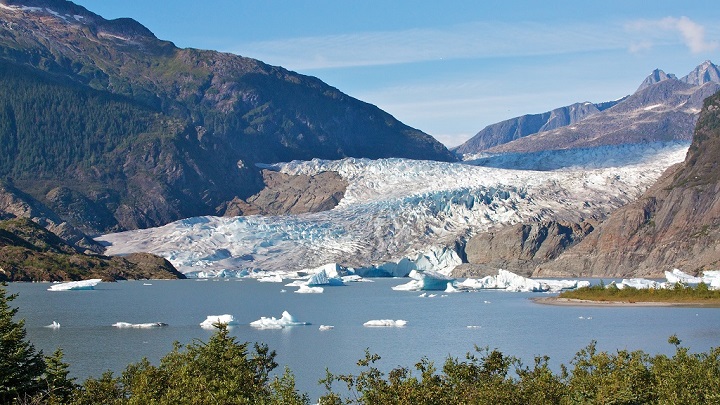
(679, 293)
(220, 371)
(21, 366)
(492, 378)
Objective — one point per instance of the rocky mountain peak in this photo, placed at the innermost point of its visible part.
(656, 76)
(71, 13)
(704, 73)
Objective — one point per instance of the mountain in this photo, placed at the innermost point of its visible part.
(675, 224)
(516, 128)
(663, 108)
(29, 252)
(112, 128)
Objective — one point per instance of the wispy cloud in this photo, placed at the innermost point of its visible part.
(691, 33)
(475, 40)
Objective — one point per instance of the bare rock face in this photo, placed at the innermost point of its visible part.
(519, 248)
(16, 204)
(675, 224)
(288, 194)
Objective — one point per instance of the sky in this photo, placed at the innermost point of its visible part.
(449, 68)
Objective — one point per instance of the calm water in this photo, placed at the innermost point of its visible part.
(437, 327)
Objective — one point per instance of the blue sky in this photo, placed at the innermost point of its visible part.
(449, 68)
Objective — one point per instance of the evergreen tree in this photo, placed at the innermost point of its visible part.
(21, 366)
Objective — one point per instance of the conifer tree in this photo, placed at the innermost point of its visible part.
(21, 366)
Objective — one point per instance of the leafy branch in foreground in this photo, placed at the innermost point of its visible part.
(594, 377)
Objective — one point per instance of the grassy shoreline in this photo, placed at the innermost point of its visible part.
(678, 295)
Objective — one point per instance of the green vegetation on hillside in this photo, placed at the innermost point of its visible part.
(680, 293)
(29, 252)
(223, 371)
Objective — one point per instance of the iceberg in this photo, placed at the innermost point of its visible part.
(76, 285)
(271, 279)
(53, 325)
(309, 290)
(426, 280)
(386, 323)
(273, 323)
(679, 276)
(149, 325)
(639, 283)
(326, 327)
(321, 278)
(212, 320)
(508, 281)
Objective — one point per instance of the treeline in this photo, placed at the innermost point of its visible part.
(223, 371)
(48, 127)
(679, 293)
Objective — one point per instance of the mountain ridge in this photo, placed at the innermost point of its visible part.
(174, 133)
(663, 108)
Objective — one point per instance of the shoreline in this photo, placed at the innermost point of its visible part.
(591, 303)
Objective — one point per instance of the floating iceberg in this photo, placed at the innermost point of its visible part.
(76, 285)
(386, 323)
(426, 280)
(271, 279)
(53, 325)
(149, 325)
(509, 281)
(326, 327)
(640, 283)
(274, 323)
(212, 320)
(679, 276)
(321, 278)
(309, 290)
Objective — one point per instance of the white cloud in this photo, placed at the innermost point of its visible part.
(473, 40)
(692, 34)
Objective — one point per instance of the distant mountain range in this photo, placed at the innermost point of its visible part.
(664, 108)
(110, 128)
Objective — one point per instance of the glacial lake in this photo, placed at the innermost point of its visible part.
(437, 327)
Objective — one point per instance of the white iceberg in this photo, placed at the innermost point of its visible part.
(76, 285)
(309, 290)
(386, 323)
(321, 278)
(679, 276)
(639, 283)
(212, 320)
(273, 323)
(53, 325)
(326, 327)
(508, 281)
(426, 280)
(271, 279)
(149, 325)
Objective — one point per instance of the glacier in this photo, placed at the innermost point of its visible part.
(400, 215)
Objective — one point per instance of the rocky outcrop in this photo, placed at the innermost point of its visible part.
(16, 204)
(292, 194)
(519, 248)
(675, 224)
(29, 252)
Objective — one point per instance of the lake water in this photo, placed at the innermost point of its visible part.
(437, 327)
